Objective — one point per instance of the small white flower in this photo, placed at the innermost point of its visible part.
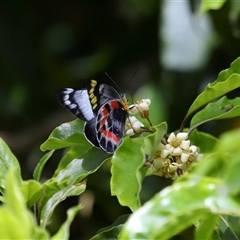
(171, 137)
(177, 151)
(164, 153)
(141, 107)
(199, 156)
(169, 147)
(133, 126)
(184, 157)
(182, 135)
(193, 149)
(158, 163)
(185, 144)
(130, 132)
(137, 125)
(133, 109)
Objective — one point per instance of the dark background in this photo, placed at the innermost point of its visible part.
(167, 53)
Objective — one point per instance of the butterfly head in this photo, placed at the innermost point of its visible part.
(124, 102)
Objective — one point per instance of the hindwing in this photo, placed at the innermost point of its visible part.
(110, 125)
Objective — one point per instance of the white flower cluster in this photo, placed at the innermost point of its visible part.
(175, 157)
(141, 107)
(133, 126)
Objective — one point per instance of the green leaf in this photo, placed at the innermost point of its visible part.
(127, 172)
(151, 142)
(207, 5)
(221, 109)
(52, 203)
(112, 231)
(66, 135)
(204, 141)
(127, 166)
(39, 168)
(92, 155)
(206, 227)
(65, 183)
(227, 81)
(7, 160)
(31, 191)
(177, 206)
(91, 160)
(210, 190)
(15, 213)
(230, 223)
(63, 232)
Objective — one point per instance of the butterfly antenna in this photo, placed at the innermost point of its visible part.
(132, 77)
(113, 81)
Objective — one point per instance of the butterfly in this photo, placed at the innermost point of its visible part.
(102, 108)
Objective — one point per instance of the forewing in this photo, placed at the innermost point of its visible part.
(110, 125)
(77, 102)
(100, 94)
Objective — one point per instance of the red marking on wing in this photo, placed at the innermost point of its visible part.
(109, 135)
(114, 104)
(105, 133)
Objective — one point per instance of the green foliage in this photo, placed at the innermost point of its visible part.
(210, 190)
(207, 197)
(227, 81)
(207, 5)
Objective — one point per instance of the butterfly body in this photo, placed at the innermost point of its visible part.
(104, 111)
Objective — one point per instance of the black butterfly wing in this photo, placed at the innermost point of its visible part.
(77, 102)
(100, 94)
(90, 132)
(110, 125)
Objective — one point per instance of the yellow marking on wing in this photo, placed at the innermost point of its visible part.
(91, 95)
(94, 106)
(91, 90)
(94, 100)
(93, 83)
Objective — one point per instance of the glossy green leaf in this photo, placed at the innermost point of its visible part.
(221, 109)
(39, 168)
(206, 227)
(127, 172)
(93, 156)
(91, 160)
(64, 231)
(176, 207)
(227, 81)
(15, 213)
(7, 160)
(207, 5)
(112, 231)
(66, 135)
(229, 151)
(52, 203)
(32, 191)
(65, 182)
